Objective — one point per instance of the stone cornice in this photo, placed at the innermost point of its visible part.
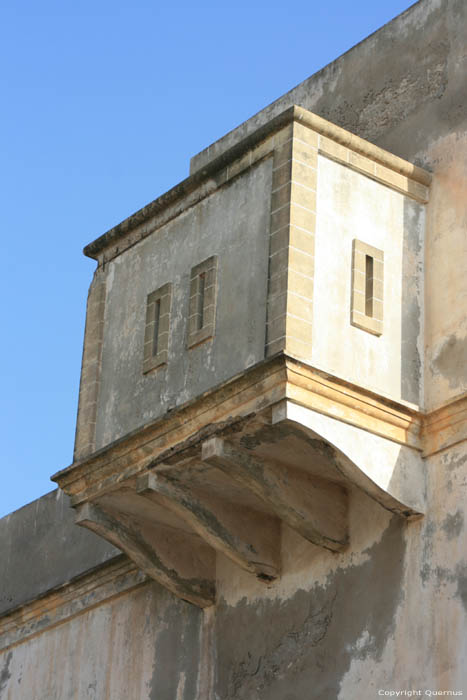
(336, 143)
(445, 426)
(198, 419)
(225, 409)
(354, 405)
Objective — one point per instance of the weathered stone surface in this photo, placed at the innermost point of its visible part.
(314, 507)
(183, 565)
(249, 538)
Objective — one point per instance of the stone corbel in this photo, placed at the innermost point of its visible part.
(315, 508)
(180, 562)
(249, 538)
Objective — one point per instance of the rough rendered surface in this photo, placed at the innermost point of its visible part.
(142, 644)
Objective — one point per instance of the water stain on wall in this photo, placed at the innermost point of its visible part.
(453, 524)
(451, 360)
(5, 674)
(308, 642)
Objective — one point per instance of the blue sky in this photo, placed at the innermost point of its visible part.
(104, 103)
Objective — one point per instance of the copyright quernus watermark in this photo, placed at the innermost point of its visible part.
(427, 693)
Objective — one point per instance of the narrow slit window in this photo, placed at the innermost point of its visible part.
(202, 306)
(157, 328)
(366, 310)
(368, 285)
(201, 295)
(157, 317)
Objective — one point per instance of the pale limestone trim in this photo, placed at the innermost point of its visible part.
(202, 304)
(57, 607)
(328, 130)
(366, 305)
(379, 172)
(353, 405)
(90, 367)
(333, 142)
(174, 203)
(292, 242)
(445, 427)
(158, 308)
(253, 392)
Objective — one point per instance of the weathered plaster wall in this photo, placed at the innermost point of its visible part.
(141, 645)
(389, 613)
(350, 205)
(442, 562)
(328, 610)
(233, 224)
(41, 548)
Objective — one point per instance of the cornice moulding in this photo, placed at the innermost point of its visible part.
(226, 408)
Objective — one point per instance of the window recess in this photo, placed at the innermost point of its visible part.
(157, 328)
(202, 306)
(367, 287)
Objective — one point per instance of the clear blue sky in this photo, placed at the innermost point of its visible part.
(103, 104)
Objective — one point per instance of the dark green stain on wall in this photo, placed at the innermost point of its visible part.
(302, 647)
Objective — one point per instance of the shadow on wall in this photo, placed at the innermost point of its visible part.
(412, 303)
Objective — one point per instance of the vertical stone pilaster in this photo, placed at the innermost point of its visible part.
(293, 222)
(90, 367)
